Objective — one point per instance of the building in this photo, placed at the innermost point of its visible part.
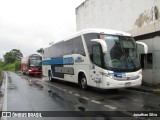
(141, 18)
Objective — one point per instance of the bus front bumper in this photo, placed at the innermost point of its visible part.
(34, 73)
(113, 84)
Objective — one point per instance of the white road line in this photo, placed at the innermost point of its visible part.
(97, 102)
(5, 96)
(110, 107)
(86, 98)
(94, 101)
(77, 95)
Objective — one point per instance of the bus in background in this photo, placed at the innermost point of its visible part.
(100, 58)
(31, 64)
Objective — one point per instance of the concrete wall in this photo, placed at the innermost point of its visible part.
(138, 17)
(152, 75)
(135, 16)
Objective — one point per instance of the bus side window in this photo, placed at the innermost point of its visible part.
(96, 54)
(68, 47)
(78, 47)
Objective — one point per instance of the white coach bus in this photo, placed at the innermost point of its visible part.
(101, 58)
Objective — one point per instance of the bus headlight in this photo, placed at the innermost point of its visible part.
(111, 76)
(140, 73)
(29, 70)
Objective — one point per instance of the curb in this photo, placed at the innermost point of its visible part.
(142, 89)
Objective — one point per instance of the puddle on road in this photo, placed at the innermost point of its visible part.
(11, 86)
(81, 108)
(147, 107)
(83, 101)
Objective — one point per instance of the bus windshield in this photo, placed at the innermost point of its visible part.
(35, 62)
(121, 53)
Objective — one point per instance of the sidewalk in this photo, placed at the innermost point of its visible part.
(146, 88)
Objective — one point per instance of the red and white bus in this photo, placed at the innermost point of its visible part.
(31, 64)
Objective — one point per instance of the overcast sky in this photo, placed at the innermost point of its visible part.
(31, 24)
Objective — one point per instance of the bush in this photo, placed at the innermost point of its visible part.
(9, 67)
(17, 65)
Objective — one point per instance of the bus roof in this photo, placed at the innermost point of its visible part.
(93, 30)
(98, 30)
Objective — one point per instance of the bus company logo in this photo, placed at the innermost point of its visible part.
(79, 59)
(68, 60)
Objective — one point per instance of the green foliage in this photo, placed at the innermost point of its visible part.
(10, 66)
(12, 56)
(40, 50)
(11, 61)
(17, 65)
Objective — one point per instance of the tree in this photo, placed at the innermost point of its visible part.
(40, 50)
(17, 66)
(12, 56)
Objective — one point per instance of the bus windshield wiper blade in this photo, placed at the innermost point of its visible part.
(132, 62)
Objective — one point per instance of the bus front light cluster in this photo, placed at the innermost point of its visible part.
(109, 75)
(140, 73)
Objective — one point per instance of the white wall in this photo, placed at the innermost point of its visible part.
(152, 76)
(124, 15)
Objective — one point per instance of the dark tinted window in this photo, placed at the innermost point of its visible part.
(68, 47)
(97, 55)
(78, 47)
(88, 38)
(59, 47)
(146, 61)
(53, 51)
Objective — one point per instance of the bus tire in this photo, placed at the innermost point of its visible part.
(83, 82)
(50, 76)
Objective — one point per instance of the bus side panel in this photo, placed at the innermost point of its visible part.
(81, 64)
(56, 71)
(45, 69)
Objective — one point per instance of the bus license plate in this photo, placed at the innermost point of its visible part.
(127, 84)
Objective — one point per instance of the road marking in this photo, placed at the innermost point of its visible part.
(95, 101)
(86, 98)
(5, 96)
(5, 93)
(110, 107)
(75, 94)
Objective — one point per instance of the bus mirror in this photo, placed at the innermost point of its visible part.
(145, 47)
(102, 43)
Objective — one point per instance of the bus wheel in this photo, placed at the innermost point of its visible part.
(83, 82)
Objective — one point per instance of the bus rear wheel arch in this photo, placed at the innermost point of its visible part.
(82, 81)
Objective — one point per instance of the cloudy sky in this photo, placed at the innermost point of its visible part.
(31, 24)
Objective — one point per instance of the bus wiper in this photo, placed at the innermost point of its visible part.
(132, 62)
(112, 68)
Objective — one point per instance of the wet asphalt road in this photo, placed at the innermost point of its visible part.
(38, 94)
(22, 96)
